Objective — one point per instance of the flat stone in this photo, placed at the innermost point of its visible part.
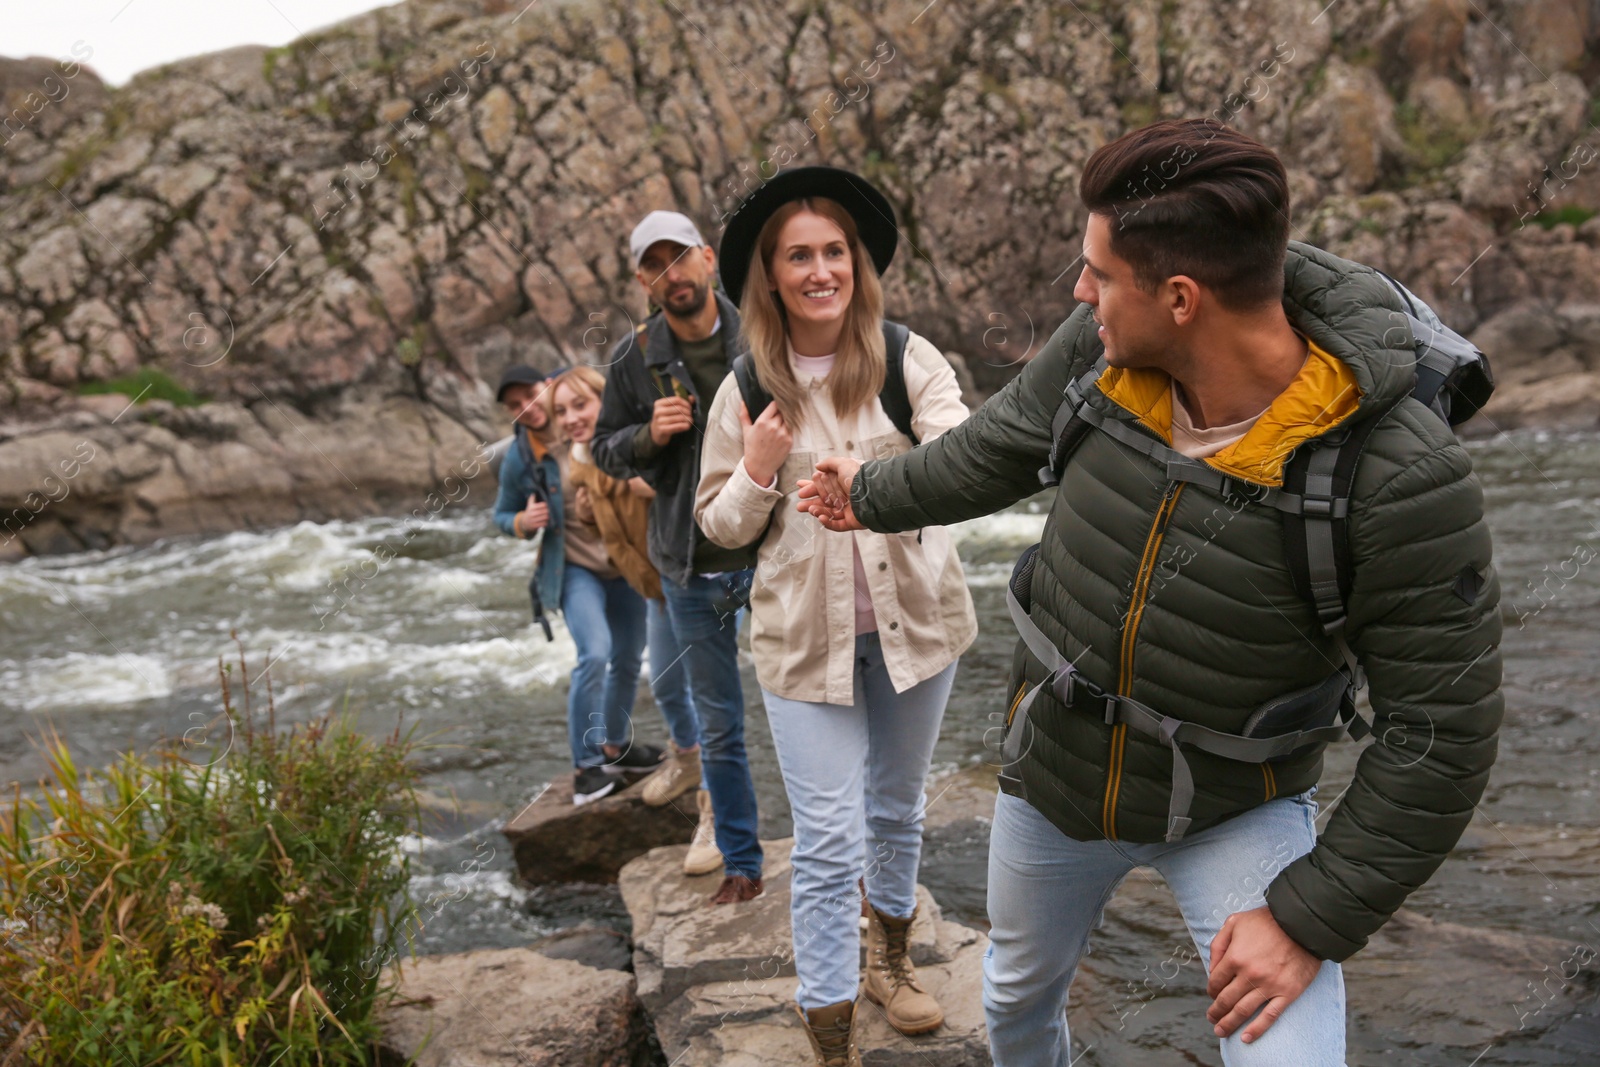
(717, 981)
(514, 1006)
(554, 840)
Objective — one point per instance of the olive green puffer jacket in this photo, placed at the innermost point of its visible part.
(1169, 594)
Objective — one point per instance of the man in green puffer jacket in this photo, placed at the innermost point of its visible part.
(1223, 343)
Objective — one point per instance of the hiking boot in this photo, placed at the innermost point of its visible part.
(678, 773)
(736, 889)
(633, 756)
(590, 784)
(892, 980)
(703, 856)
(832, 1031)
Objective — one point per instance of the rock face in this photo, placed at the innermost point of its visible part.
(718, 982)
(400, 205)
(514, 1007)
(554, 841)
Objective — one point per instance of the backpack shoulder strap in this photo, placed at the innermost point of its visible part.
(894, 398)
(1316, 535)
(1069, 426)
(756, 398)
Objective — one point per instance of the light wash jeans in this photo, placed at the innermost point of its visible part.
(1046, 892)
(606, 619)
(669, 678)
(706, 624)
(855, 776)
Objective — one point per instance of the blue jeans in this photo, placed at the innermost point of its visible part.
(855, 776)
(669, 678)
(606, 619)
(1046, 892)
(706, 625)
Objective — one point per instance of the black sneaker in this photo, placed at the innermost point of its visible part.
(591, 783)
(635, 756)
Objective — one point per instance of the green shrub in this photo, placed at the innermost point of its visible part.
(237, 913)
(146, 383)
(1570, 213)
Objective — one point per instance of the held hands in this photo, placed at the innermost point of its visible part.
(827, 496)
(767, 443)
(535, 516)
(1255, 966)
(671, 415)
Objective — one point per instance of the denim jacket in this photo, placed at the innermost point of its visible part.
(523, 473)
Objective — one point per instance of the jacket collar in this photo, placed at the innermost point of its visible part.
(661, 344)
(1321, 397)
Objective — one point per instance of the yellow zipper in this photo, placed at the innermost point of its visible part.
(1130, 630)
(1016, 700)
(1270, 779)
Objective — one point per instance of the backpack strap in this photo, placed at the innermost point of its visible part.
(1317, 715)
(893, 397)
(755, 396)
(1316, 538)
(1068, 428)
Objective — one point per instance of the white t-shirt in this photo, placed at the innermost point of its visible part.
(866, 619)
(1202, 444)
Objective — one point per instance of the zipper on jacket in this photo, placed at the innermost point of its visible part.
(1130, 632)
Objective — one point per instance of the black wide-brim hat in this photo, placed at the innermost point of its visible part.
(871, 210)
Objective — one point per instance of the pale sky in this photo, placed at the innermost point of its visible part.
(128, 36)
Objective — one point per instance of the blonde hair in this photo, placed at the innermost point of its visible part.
(859, 365)
(582, 377)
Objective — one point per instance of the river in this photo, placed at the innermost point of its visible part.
(119, 649)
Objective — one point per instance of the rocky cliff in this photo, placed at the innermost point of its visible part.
(328, 247)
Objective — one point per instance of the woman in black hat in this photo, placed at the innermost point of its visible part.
(855, 636)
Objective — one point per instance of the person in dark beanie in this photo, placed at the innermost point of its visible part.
(1256, 510)
(662, 379)
(574, 572)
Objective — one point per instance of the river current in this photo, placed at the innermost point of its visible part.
(119, 649)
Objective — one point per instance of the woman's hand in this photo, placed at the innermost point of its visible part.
(767, 443)
(641, 488)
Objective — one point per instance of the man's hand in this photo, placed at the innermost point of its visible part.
(1255, 966)
(536, 516)
(767, 443)
(671, 415)
(827, 496)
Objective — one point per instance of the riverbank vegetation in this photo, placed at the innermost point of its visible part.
(234, 900)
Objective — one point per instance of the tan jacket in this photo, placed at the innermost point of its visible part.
(622, 517)
(802, 604)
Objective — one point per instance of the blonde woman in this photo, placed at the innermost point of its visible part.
(855, 636)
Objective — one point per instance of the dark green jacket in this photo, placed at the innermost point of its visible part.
(1171, 595)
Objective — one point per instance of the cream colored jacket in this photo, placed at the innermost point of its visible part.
(802, 604)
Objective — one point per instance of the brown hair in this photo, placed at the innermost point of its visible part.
(859, 365)
(1194, 197)
(582, 377)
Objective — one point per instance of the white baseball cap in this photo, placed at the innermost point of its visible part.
(663, 226)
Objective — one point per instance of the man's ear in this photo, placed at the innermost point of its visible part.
(1183, 299)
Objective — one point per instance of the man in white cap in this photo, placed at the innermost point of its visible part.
(652, 420)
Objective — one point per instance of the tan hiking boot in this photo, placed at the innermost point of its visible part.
(678, 773)
(832, 1031)
(703, 856)
(892, 980)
